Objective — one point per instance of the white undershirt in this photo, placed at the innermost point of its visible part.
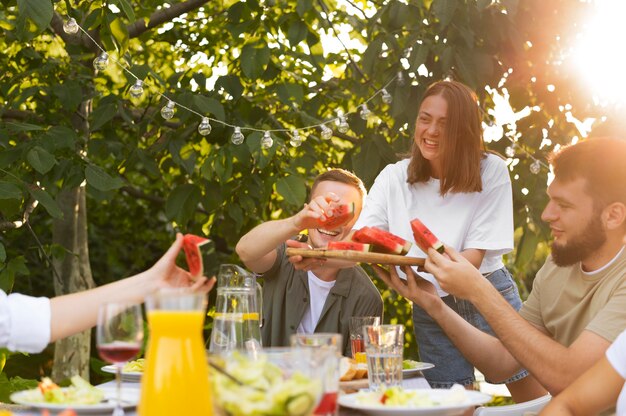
(318, 292)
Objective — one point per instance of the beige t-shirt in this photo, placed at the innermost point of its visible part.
(566, 301)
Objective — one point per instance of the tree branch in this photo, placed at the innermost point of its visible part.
(12, 225)
(162, 16)
(20, 115)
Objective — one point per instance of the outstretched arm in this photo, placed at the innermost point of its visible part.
(257, 249)
(79, 311)
(554, 365)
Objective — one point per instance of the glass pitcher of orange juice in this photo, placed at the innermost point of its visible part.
(176, 376)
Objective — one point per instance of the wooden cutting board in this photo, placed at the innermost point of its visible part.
(357, 256)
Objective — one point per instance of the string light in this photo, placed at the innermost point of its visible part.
(400, 79)
(296, 140)
(327, 133)
(365, 112)
(535, 167)
(237, 137)
(267, 141)
(204, 128)
(167, 112)
(70, 27)
(101, 62)
(136, 90)
(387, 98)
(342, 125)
(510, 150)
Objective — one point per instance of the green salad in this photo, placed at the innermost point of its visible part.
(135, 366)
(80, 392)
(292, 396)
(410, 364)
(398, 397)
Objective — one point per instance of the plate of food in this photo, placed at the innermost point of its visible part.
(397, 401)
(356, 256)
(412, 367)
(353, 374)
(131, 371)
(80, 396)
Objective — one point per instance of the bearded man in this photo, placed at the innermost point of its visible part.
(577, 306)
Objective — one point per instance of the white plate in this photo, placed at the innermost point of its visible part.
(415, 370)
(475, 398)
(132, 376)
(130, 398)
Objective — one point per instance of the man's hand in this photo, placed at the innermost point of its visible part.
(318, 209)
(304, 263)
(418, 290)
(455, 274)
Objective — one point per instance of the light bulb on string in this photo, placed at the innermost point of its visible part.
(387, 98)
(136, 90)
(510, 150)
(327, 133)
(70, 27)
(400, 79)
(204, 128)
(296, 140)
(342, 125)
(237, 137)
(167, 112)
(365, 112)
(101, 62)
(267, 141)
(535, 167)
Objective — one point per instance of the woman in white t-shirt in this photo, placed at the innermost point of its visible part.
(462, 193)
(598, 389)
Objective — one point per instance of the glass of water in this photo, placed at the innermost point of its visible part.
(384, 345)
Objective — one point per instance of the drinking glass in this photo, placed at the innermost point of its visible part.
(119, 336)
(356, 335)
(384, 345)
(326, 348)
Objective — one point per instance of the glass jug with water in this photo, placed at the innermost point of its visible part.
(238, 311)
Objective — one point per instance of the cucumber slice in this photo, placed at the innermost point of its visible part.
(299, 404)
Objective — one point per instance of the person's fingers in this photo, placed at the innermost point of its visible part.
(203, 284)
(172, 252)
(453, 254)
(382, 274)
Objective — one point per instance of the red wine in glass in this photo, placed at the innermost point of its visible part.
(118, 352)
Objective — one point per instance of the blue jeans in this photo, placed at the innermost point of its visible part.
(435, 347)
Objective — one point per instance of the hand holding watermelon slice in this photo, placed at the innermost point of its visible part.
(424, 238)
(191, 245)
(324, 212)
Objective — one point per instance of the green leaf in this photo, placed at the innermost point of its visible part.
(47, 201)
(3, 254)
(182, 202)
(101, 180)
(38, 11)
(61, 137)
(290, 93)
(254, 60)
(444, 10)
(128, 10)
(17, 127)
(526, 247)
(293, 189)
(208, 105)
(372, 54)
(367, 162)
(69, 94)
(15, 266)
(102, 115)
(120, 33)
(304, 6)
(40, 159)
(9, 190)
(297, 32)
(231, 85)
(419, 55)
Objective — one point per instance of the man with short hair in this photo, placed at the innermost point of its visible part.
(321, 298)
(577, 306)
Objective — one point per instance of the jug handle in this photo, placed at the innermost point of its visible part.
(259, 297)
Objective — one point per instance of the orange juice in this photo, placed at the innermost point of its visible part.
(176, 377)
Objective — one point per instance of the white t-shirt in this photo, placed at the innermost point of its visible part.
(480, 220)
(318, 292)
(24, 322)
(616, 354)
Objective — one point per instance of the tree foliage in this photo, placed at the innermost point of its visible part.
(259, 64)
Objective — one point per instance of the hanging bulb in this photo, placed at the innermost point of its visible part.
(387, 98)
(204, 128)
(296, 140)
(510, 150)
(327, 133)
(343, 125)
(167, 112)
(267, 141)
(365, 112)
(535, 167)
(101, 62)
(70, 27)
(400, 78)
(237, 137)
(136, 90)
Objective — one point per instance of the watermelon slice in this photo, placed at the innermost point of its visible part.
(342, 213)
(191, 245)
(382, 241)
(425, 238)
(348, 245)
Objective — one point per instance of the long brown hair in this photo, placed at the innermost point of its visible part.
(461, 148)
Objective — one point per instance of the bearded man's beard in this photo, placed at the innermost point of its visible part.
(581, 246)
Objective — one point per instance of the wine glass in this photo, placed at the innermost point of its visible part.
(119, 336)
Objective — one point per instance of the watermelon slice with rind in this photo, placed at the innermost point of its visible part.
(425, 238)
(191, 246)
(382, 241)
(348, 245)
(342, 214)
